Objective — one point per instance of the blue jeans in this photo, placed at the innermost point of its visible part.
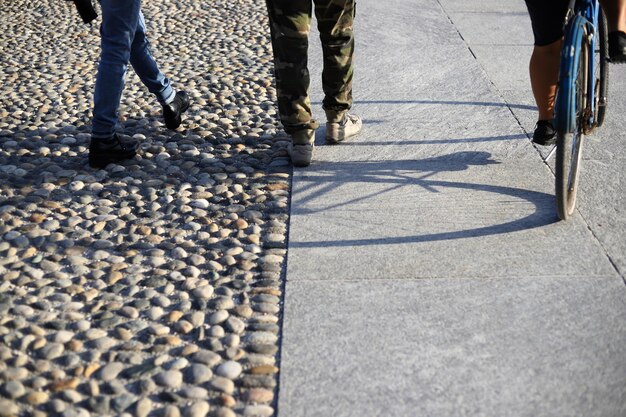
(123, 40)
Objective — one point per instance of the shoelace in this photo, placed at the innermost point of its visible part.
(350, 117)
(124, 146)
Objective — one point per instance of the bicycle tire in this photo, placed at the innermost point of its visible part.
(568, 156)
(573, 88)
(603, 73)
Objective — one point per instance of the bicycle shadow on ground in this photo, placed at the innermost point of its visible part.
(408, 174)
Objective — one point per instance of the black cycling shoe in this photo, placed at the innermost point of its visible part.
(545, 134)
(103, 152)
(173, 111)
(617, 47)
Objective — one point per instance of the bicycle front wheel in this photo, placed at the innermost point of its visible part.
(572, 108)
(568, 158)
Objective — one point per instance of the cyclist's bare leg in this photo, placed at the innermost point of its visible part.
(544, 76)
(615, 14)
(615, 11)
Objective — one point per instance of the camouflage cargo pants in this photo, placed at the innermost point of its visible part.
(290, 23)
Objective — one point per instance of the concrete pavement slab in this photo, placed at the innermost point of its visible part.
(427, 274)
(492, 27)
(483, 5)
(455, 347)
(507, 68)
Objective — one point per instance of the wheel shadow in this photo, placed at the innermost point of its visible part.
(408, 174)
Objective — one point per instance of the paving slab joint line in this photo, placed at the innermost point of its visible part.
(283, 289)
(443, 9)
(453, 278)
(507, 104)
(606, 252)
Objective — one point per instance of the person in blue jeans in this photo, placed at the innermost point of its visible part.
(124, 41)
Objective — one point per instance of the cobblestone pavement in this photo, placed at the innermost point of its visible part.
(154, 287)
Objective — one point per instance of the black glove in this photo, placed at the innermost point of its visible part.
(85, 10)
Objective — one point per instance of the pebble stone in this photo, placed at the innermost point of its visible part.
(229, 369)
(197, 409)
(110, 371)
(72, 396)
(224, 412)
(37, 397)
(198, 374)
(169, 379)
(206, 357)
(13, 389)
(51, 351)
(194, 392)
(258, 411)
(9, 408)
(258, 395)
(143, 407)
(223, 384)
(170, 411)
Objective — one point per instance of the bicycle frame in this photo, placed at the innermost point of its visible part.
(584, 14)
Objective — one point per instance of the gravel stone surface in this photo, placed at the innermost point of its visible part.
(150, 288)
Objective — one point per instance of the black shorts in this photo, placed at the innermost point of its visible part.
(547, 17)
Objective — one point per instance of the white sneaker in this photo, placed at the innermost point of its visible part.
(301, 147)
(349, 126)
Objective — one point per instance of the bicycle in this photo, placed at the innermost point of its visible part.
(581, 95)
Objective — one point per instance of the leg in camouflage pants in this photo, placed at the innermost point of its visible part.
(290, 22)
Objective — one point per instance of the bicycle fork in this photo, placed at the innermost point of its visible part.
(586, 100)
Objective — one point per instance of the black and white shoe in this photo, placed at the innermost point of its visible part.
(172, 112)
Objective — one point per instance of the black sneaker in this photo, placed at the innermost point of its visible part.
(617, 47)
(173, 111)
(104, 151)
(545, 134)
